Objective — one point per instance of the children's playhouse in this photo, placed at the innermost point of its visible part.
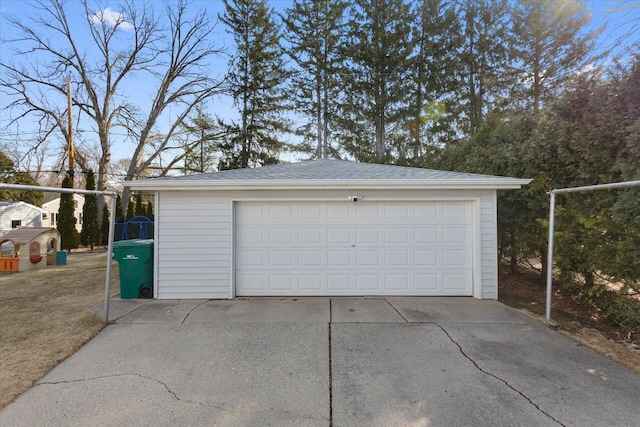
(29, 248)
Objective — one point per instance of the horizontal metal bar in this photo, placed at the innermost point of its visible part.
(596, 187)
(55, 189)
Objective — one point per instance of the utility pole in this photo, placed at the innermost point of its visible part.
(71, 148)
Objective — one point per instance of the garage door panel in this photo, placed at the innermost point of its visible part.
(338, 236)
(426, 282)
(396, 212)
(310, 283)
(251, 211)
(376, 248)
(369, 235)
(456, 258)
(456, 235)
(338, 212)
(250, 235)
(396, 258)
(367, 258)
(397, 236)
(428, 258)
(367, 283)
(454, 210)
(425, 235)
(281, 282)
(425, 212)
(396, 282)
(455, 282)
(339, 282)
(338, 258)
(281, 236)
(310, 236)
(310, 211)
(281, 258)
(310, 258)
(366, 211)
(251, 258)
(251, 282)
(280, 211)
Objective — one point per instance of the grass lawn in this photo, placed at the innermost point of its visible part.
(45, 317)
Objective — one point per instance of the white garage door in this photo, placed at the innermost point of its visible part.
(354, 248)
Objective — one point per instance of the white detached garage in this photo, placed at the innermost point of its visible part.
(326, 228)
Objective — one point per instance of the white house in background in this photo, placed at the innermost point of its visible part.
(53, 207)
(326, 228)
(20, 214)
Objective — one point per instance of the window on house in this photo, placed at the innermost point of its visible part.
(80, 218)
(15, 223)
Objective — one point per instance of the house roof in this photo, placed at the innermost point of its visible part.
(328, 174)
(8, 205)
(24, 235)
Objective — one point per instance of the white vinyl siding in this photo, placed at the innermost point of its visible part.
(193, 243)
(489, 247)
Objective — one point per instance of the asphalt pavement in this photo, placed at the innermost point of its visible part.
(329, 362)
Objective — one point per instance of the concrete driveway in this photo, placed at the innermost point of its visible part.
(329, 362)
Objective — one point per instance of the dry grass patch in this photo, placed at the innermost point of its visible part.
(45, 317)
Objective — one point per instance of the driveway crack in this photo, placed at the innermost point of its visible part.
(396, 310)
(505, 382)
(330, 373)
(191, 311)
(163, 384)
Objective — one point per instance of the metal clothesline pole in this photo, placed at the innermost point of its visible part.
(552, 207)
(112, 220)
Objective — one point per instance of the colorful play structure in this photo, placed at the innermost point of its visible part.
(30, 248)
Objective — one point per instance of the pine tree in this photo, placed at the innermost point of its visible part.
(483, 66)
(256, 82)
(551, 45)
(119, 213)
(149, 211)
(9, 175)
(131, 210)
(69, 238)
(377, 76)
(104, 228)
(205, 136)
(435, 31)
(314, 30)
(90, 234)
(139, 210)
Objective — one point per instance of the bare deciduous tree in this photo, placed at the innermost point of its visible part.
(109, 49)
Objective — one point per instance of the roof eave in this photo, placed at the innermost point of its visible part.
(413, 184)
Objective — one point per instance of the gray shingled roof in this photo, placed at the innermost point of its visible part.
(329, 169)
(329, 174)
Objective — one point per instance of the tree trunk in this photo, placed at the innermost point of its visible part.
(320, 153)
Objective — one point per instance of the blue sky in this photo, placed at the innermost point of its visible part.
(619, 16)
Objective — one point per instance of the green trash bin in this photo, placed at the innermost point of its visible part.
(135, 259)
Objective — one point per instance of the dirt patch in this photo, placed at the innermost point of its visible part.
(45, 317)
(576, 319)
